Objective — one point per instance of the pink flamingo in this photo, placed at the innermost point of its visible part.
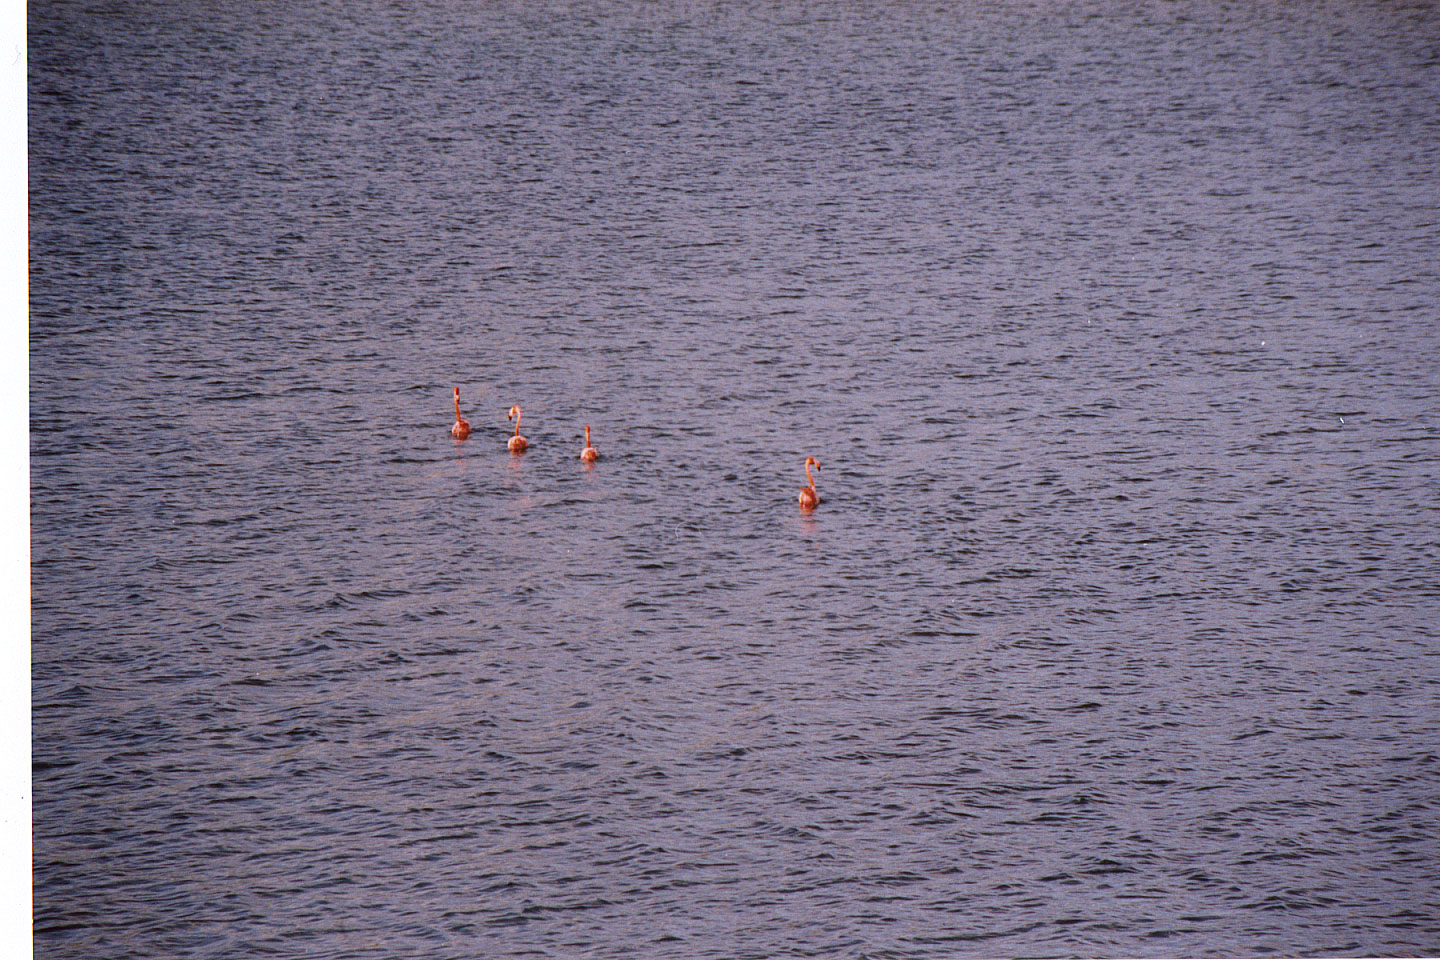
(809, 499)
(461, 430)
(517, 443)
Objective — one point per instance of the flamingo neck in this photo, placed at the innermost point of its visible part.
(810, 478)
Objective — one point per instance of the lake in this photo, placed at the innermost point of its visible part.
(1112, 326)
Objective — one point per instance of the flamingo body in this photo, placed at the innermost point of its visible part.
(809, 499)
(461, 429)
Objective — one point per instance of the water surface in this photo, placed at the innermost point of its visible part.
(1111, 325)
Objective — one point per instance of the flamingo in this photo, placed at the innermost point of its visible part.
(461, 430)
(809, 499)
(517, 443)
(589, 454)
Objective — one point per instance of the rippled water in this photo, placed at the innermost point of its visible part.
(1113, 328)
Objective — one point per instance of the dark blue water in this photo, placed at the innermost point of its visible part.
(1113, 327)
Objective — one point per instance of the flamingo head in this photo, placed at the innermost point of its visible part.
(514, 413)
(812, 462)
